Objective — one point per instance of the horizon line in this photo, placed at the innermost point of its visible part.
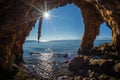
(61, 39)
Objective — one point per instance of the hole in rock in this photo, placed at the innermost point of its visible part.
(105, 35)
(61, 34)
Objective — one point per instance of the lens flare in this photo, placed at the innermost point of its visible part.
(46, 15)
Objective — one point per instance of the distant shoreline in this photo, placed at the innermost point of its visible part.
(67, 40)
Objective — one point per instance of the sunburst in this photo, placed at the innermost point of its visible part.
(46, 15)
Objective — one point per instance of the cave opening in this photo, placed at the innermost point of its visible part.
(104, 36)
(60, 34)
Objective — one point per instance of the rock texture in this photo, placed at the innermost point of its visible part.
(18, 17)
(101, 63)
(110, 11)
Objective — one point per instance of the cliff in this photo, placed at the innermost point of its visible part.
(18, 17)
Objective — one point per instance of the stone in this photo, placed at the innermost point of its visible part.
(117, 67)
(62, 78)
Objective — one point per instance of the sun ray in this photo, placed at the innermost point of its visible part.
(40, 11)
(45, 5)
(48, 16)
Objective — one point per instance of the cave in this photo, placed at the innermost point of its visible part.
(105, 35)
(104, 29)
(18, 18)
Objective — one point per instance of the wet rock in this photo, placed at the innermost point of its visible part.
(117, 70)
(77, 63)
(91, 68)
(106, 51)
(106, 67)
(117, 67)
(22, 75)
(103, 77)
(62, 78)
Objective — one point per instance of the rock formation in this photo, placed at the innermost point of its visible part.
(18, 17)
(101, 63)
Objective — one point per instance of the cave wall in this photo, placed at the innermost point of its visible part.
(92, 20)
(110, 11)
(18, 17)
(14, 27)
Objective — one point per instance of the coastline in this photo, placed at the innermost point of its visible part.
(102, 63)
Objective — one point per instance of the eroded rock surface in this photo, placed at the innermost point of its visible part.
(18, 17)
(98, 65)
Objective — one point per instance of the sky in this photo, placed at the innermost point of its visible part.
(65, 23)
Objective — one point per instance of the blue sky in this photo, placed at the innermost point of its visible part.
(65, 23)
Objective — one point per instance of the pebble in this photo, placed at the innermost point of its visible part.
(62, 78)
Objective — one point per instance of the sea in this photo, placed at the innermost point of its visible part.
(45, 59)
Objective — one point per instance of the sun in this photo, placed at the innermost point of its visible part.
(46, 15)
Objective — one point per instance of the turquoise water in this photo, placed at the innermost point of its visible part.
(44, 59)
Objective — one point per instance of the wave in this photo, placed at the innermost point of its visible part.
(44, 40)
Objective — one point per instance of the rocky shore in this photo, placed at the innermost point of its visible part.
(102, 63)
